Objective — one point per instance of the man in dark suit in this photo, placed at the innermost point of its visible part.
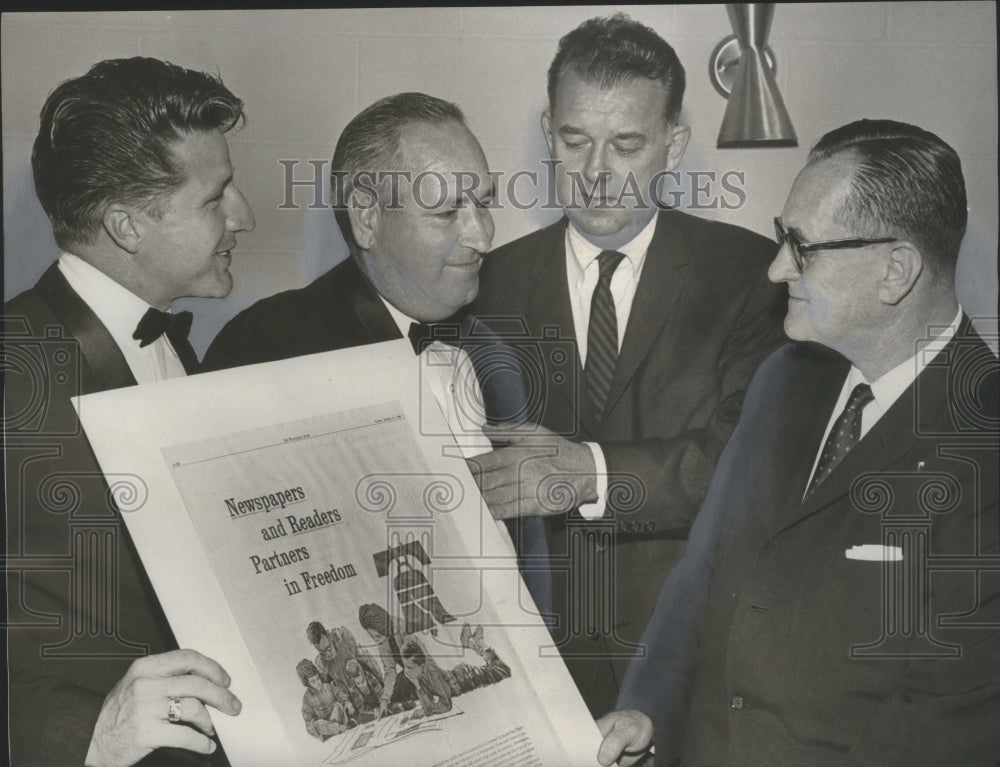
(839, 602)
(132, 167)
(670, 316)
(416, 232)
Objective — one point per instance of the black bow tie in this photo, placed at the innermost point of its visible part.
(422, 335)
(155, 323)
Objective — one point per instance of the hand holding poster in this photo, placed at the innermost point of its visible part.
(340, 564)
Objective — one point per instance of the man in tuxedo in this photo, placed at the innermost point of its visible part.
(132, 167)
(669, 315)
(839, 601)
(416, 230)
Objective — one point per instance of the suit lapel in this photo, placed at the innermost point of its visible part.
(497, 369)
(662, 281)
(895, 433)
(550, 302)
(364, 302)
(808, 401)
(99, 353)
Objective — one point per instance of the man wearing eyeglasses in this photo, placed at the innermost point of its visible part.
(839, 601)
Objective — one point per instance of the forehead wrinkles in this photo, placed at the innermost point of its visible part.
(443, 152)
(816, 203)
(633, 101)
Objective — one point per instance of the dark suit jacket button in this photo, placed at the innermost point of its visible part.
(736, 702)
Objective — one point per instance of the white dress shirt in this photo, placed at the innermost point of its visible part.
(888, 388)
(448, 375)
(582, 273)
(120, 310)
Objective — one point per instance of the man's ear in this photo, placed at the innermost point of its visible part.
(679, 137)
(123, 226)
(364, 217)
(902, 271)
(547, 130)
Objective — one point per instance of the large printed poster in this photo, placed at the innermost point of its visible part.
(339, 561)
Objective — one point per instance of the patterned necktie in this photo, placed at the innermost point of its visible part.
(155, 323)
(602, 333)
(844, 435)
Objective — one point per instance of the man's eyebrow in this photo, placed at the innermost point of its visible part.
(630, 136)
(571, 130)
(219, 188)
(472, 193)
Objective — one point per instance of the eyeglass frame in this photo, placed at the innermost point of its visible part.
(798, 247)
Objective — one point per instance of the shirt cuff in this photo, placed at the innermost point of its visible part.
(592, 511)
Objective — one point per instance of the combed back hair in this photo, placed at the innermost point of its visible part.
(314, 632)
(907, 183)
(106, 137)
(613, 50)
(373, 617)
(306, 669)
(371, 144)
(412, 649)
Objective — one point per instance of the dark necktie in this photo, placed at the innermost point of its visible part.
(844, 435)
(602, 333)
(155, 323)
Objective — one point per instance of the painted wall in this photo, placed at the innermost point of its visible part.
(304, 74)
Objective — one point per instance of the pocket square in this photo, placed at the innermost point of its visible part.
(874, 552)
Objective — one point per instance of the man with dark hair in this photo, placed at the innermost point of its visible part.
(670, 315)
(132, 167)
(420, 261)
(353, 671)
(389, 636)
(839, 601)
(436, 686)
(416, 231)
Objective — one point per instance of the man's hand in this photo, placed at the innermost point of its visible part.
(627, 734)
(537, 473)
(133, 720)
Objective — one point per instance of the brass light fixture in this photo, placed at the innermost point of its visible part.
(742, 69)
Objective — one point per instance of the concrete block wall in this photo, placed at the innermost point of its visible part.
(303, 74)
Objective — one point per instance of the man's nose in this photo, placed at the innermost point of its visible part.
(596, 166)
(782, 268)
(477, 229)
(240, 217)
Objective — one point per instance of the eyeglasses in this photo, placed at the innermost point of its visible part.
(798, 247)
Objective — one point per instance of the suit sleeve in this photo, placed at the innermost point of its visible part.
(657, 681)
(656, 485)
(74, 618)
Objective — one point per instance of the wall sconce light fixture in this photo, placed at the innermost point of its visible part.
(742, 69)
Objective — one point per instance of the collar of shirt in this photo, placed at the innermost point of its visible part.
(450, 379)
(890, 386)
(585, 252)
(582, 274)
(120, 310)
(401, 320)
